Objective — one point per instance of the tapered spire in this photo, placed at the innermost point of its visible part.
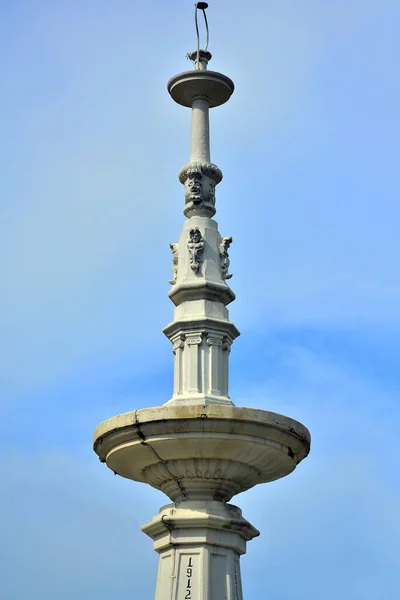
(201, 333)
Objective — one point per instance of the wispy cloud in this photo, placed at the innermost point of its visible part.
(90, 200)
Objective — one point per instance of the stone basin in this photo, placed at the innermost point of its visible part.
(200, 452)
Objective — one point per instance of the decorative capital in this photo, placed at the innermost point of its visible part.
(214, 341)
(194, 340)
(178, 343)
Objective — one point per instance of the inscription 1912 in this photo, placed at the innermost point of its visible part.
(189, 574)
(236, 584)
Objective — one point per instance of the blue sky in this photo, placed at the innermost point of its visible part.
(309, 148)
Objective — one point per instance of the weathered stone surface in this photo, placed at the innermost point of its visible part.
(201, 452)
(200, 544)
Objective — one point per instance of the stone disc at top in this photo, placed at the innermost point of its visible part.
(186, 86)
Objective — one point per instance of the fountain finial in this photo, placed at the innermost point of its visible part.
(200, 57)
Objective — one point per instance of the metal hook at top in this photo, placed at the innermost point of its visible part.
(200, 6)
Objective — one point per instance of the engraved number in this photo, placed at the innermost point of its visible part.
(189, 573)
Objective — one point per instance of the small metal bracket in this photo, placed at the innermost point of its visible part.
(200, 6)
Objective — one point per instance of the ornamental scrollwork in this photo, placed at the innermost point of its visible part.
(196, 247)
(214, 341)
(194, 341)
(178, 344)
(224, 257)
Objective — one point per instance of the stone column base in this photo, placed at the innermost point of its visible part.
(199, 543)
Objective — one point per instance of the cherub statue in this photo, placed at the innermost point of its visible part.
(195, 247)
(175, 248)
(223, 252)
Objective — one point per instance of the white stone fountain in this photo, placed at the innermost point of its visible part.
(198, 448)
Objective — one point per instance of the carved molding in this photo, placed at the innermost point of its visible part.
(175, 250)
(207, 169)
(224, 257)
(201, 478)
(195, 246)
